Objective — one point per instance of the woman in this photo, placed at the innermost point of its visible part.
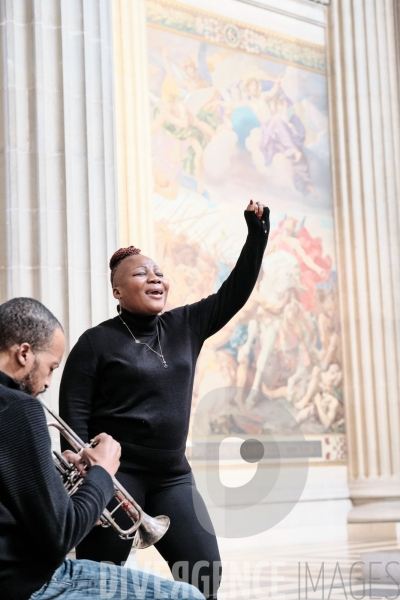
(132, 376)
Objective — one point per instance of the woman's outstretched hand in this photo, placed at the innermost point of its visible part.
(261, 222)
(257, 207)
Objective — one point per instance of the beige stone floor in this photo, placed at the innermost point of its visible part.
(280, 573)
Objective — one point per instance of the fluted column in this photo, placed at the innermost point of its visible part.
(366, 133)
(132, 110)
(58, 210)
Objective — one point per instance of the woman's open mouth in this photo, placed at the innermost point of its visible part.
(155, 293)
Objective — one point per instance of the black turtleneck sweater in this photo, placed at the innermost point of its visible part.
(39, 522)
(112, 384)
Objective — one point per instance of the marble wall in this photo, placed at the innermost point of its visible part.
(58, 210)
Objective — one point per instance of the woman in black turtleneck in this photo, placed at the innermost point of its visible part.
(132, 376)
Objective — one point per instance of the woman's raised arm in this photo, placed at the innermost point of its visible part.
(210, 314)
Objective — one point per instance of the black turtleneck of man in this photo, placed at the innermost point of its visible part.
(111, 383)
(39, 522)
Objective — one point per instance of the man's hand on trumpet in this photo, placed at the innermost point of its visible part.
(77, 461)
(105, 453)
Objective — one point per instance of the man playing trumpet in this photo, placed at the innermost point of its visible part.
(39, 522)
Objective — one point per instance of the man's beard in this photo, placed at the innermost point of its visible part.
(29, 384)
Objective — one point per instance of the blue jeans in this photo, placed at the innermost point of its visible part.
(89, 580)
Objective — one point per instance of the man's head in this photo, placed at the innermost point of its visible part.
(31, 343)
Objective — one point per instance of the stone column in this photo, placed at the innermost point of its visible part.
(136, 221)
(58, 210)
(366, 134)
(397, 34)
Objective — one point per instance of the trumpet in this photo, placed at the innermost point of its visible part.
(145, 530)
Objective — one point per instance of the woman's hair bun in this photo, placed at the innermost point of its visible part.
(119, 255)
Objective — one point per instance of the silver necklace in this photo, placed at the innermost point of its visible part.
(144, 343)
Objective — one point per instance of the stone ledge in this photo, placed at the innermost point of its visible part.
(374, 522)
(375, 512)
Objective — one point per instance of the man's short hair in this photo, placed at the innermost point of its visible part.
(25, 320)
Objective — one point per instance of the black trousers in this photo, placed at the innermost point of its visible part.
(190, 551)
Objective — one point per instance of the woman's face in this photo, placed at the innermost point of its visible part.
(140, 286)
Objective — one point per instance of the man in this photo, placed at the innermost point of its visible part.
(39, 522)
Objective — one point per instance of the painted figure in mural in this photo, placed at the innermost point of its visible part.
(179, 135)
(195, 109)
(298, 340)
(266, 111)
(133, 375)
(251, 109)
(284, 133)
(183, 124)
(323, 401)
(293, 237)
(328, 330)
(280, 274)
(193, 270)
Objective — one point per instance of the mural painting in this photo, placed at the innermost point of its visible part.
(241, 113)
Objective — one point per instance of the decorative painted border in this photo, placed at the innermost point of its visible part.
(216, 29)
(316, 449)
(333, 446)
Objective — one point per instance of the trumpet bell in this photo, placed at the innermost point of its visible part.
(150, 530)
